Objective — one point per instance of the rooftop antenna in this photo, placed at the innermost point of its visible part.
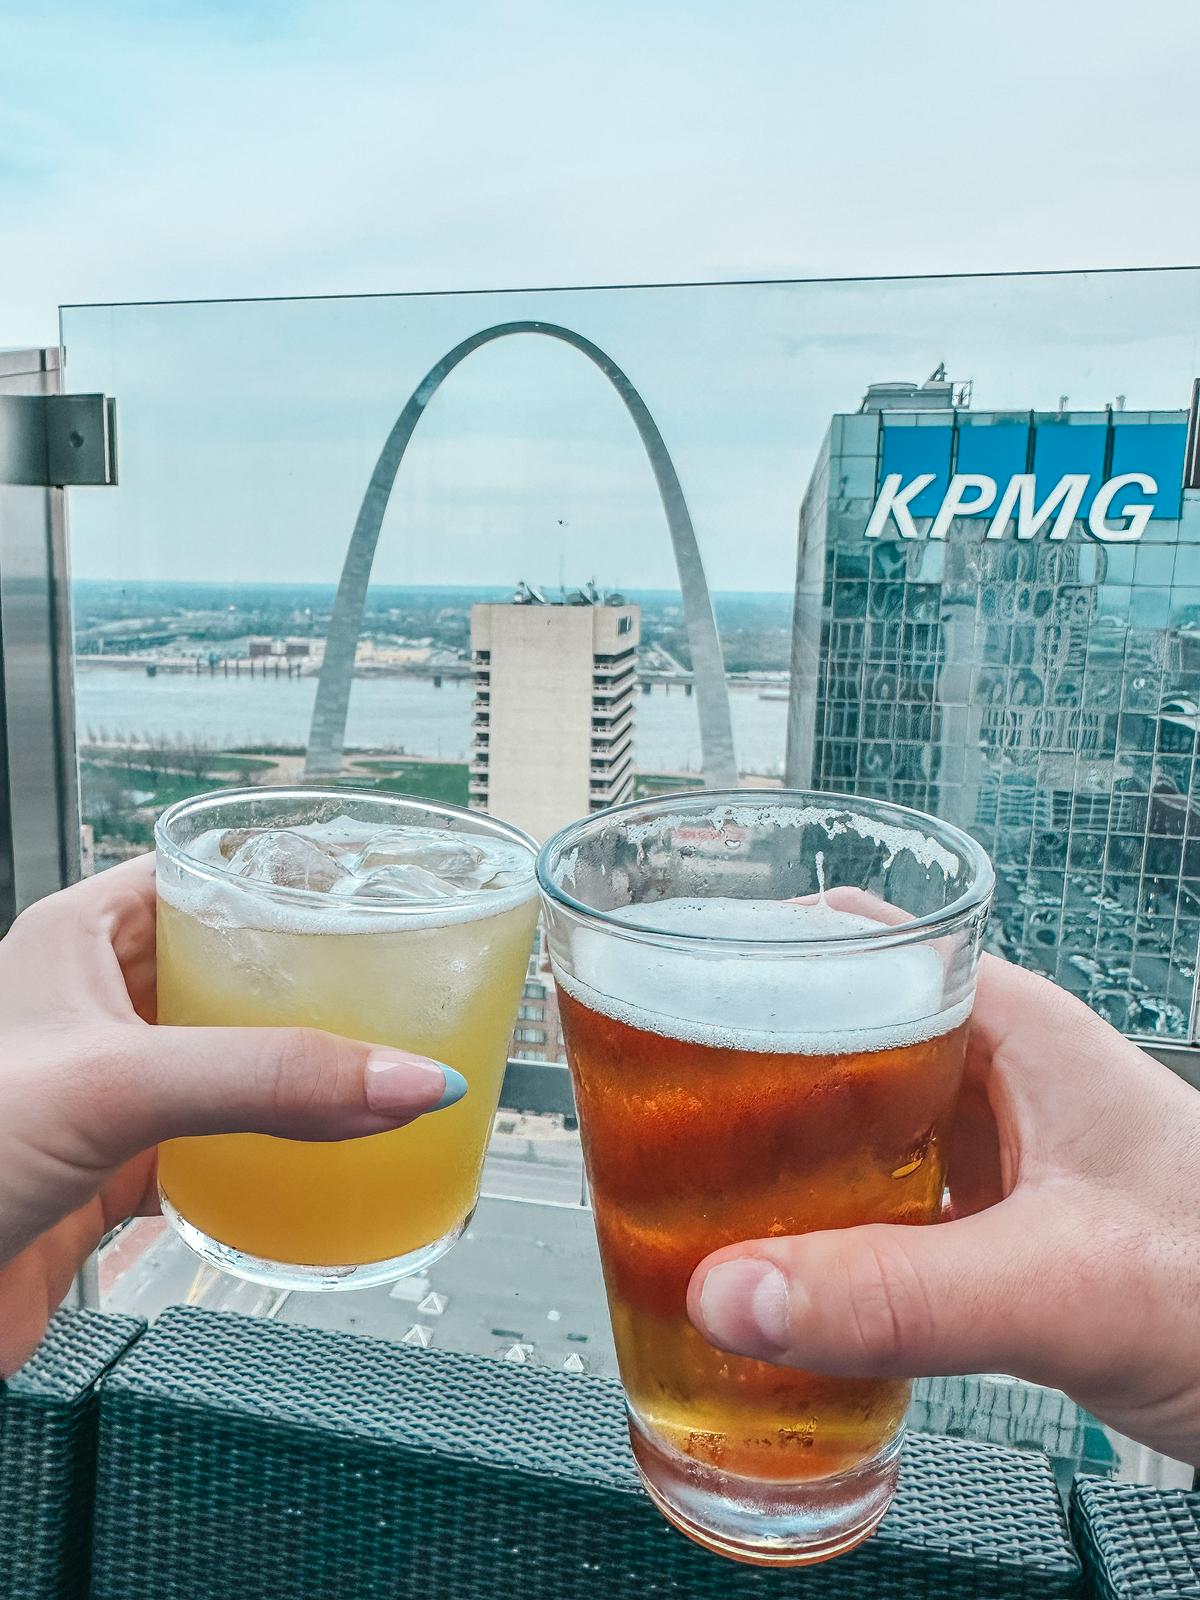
(938, 375)
(1120, 402)
(1062, 403)
(562, 586)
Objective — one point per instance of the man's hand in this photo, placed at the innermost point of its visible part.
(1074, 1256)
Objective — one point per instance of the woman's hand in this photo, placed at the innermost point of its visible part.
(88, 1087)
(1074, 1256)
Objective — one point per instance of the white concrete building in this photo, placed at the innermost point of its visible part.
(554, 708)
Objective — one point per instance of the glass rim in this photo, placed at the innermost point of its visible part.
(212, 799)
(934, 924)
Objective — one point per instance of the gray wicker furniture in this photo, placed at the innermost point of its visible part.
(48, 1415)
(1137, 1543)
(249, 1458)
(242, 1458)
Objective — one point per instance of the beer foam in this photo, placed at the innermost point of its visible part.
(344, 876)
(778, 1001)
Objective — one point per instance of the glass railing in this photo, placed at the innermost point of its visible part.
(936, 541)
(977, 591)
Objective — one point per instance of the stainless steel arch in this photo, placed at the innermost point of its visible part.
(328, 731)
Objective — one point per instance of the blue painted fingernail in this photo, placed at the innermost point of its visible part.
(403, 1086)
(456, 1087)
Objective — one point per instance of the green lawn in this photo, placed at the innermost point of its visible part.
(105, 782)
(429, 780)
(161, 788)
(105, 785)
(238, 762)
(167, 787)
(447, 780)
(649, 785)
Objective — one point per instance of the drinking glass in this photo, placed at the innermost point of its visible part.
(765, 998)
(386, 919)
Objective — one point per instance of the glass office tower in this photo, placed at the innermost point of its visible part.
(998, 620)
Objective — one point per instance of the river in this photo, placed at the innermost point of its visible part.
(124, 704)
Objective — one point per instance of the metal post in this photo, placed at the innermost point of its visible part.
(47, 440)
(85, 1291)
(1191, 454)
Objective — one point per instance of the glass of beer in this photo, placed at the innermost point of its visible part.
(765, 997)
(373, 916)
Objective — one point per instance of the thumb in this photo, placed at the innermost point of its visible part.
(143, 1083)
(879, 1300)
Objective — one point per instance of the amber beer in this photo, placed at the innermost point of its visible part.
(748, 1068)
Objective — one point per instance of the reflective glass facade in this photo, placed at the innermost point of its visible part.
(1039, 688)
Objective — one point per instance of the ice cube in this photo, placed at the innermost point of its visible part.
(231, 841)
(450, 856)
(505, 865)
(399, 881)
(340, 835)
(288, 860)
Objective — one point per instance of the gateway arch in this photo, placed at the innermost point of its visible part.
(328, 729)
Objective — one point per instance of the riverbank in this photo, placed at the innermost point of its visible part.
(124, 788)
(406, 716)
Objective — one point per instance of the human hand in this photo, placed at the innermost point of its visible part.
(1073, 1259)
(88, 1087)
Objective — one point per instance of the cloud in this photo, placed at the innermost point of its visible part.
(224, 149)
(284, 148)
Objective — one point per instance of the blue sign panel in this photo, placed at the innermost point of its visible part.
(987, 471)
(1060, 448)
(913, 451)
(994, 450)
(1155, 449)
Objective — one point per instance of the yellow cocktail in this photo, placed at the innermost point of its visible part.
(380, 919)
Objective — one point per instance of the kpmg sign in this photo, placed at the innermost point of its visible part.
(972, 494)
(1037, 478)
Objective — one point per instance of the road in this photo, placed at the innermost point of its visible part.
(520, 1168)
(525, 1272)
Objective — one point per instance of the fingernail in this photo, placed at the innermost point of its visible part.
(744, 1307)
(455, 1088)
(398, 1085)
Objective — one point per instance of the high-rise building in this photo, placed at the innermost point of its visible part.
(538, 1035)
(998, 620)
(554, 707)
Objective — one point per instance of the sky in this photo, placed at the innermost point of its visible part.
(154, 151)
(248, 430)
